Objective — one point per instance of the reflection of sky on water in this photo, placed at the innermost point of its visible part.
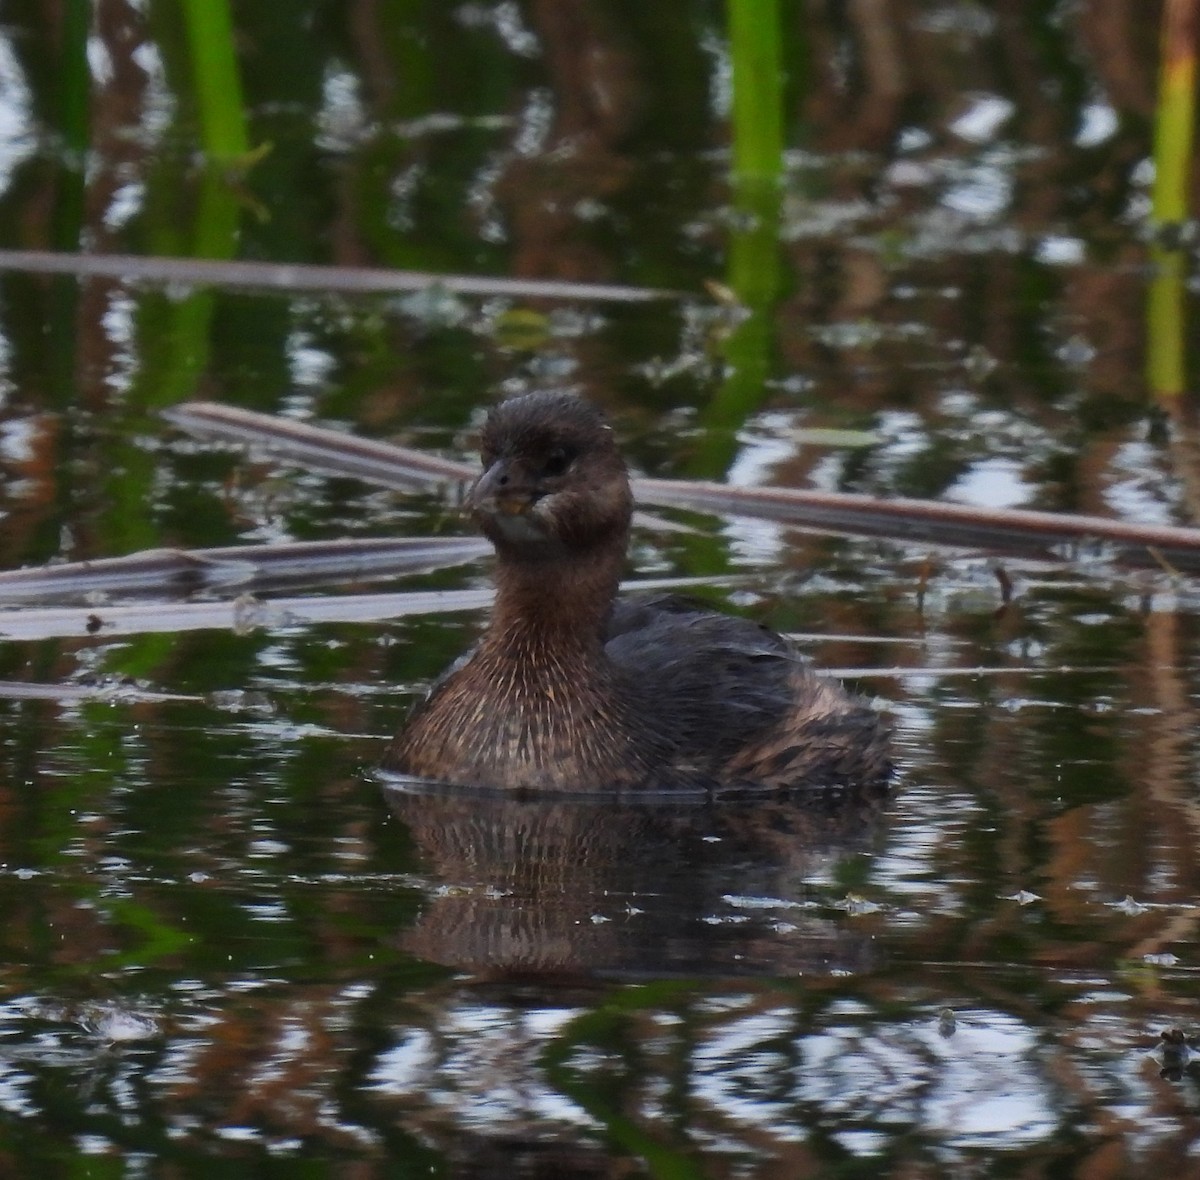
(1098, 122)
(762, 446)
(16, 114)
(982, 1085)
(984, 115)
(1141, 489)
(341, 120)
(481, 1068)
(755, 1073)
(739, 1070)
(981, 191)
(915, 868)
(993, 483)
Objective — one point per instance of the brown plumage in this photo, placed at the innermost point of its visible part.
(570, 689)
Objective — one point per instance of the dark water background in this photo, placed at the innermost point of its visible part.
(225, 951)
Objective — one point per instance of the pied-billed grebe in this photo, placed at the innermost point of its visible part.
(570, 689)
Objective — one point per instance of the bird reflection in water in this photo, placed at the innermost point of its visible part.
(545, 903)
(635, 890)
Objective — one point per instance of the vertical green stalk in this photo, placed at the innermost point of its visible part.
(755, 277)
(218, 84)
(754, 266)
(1166, 324)
(756, 50)
(1175, 117)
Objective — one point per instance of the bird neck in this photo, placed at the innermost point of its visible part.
(556, 605)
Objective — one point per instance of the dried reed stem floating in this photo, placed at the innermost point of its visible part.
(242, 567)
(1011, 530)
(310, 277)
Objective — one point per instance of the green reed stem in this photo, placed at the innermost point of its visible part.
(1175, 119)
(217, 81)
(756, 51)
(755, 276)
(754, 272)
(1166, 320)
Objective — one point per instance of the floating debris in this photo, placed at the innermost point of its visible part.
(1022, 897)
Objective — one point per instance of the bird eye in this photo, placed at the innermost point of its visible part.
(557, 461)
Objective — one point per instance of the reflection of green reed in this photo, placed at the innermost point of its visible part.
(174, 333)
(172, 349)
(73, 79)
(756, 52)
(192, 216)
(1165, 320)
(1175, 117)
(175, 342)
(74, 88)
(606, 1027)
